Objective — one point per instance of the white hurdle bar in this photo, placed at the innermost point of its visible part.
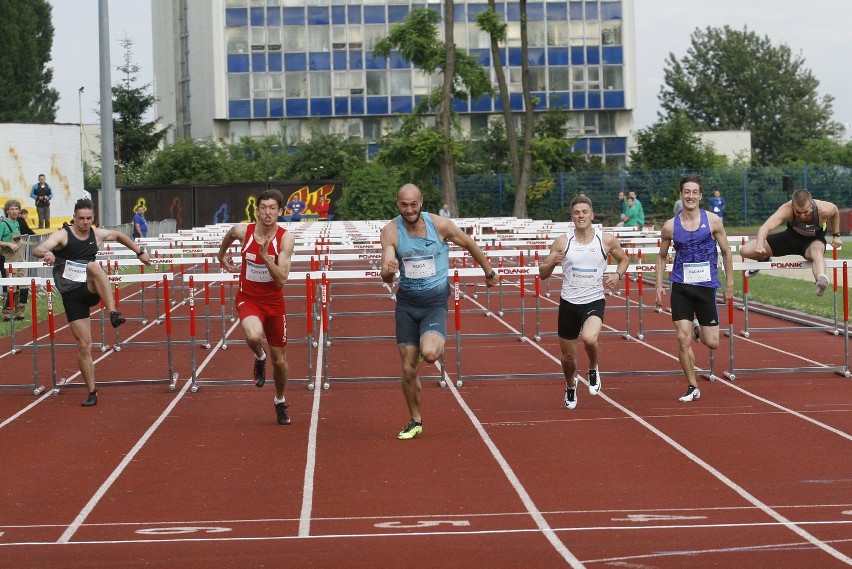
(32, 283)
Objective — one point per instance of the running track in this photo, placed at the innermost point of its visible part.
(757, 473)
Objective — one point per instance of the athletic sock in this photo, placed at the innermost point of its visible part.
(277, 401)
(263, 357)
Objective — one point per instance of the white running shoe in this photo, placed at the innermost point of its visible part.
(692, 393)
(570, 397)
(594, 381)
(821, 285)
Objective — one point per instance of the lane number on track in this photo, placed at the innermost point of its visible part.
(176, 530)
(656, 518)
(423, 524)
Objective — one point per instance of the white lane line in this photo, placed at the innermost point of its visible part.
(93, 501)
(530, 506)
(710, 469)
(311, 463)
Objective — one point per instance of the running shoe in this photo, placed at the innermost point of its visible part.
(92, 400)
(411, 430)
(594, 381)
(821, 285)
(116, 319)
(751, 272)
(692, 393)
(281, 412)
(259, 372)
(570, 397)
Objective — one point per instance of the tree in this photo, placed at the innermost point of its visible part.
(325, 156)
(188, 161)
(825, 152)
(519, 158)
(670, 145)
(135, 139)
(736, 80)
(27, 33)
(417, 42)
(370, 193)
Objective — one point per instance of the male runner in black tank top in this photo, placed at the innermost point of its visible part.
(82, 282)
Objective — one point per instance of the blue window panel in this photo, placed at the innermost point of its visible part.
(276, 108)
(557, 11)
(318, 16)
(578, 56)
(238, 63)
(397, 14)
(557, 55)
(473, 10)
(596, 146)
(296, 107)
(260, 109)
(239, 109)
(578, 101)
(356, 59)
(375, 62)
(515, 56)
(354, 14)
(560, 99)
(482, 55)
(460, 106)
(594, 99)
(613, 54)
(373, 149)
(535, 56)
(542, 100)
(341, 106)
(273, 16)
(377, 105)
(481, 105)
(575, 10)
(321, 107)
(295, 62)
(319, 61)
(581, 146)
(401, 105)
(516, 101)
(535, 12)
(513, 12)
(593, 55)
(236, 17)
(591, 10)
(397, 61)
(374, 14)
(356, 106)
(338, 14)
(275, 62)
(611, 11)
(294, 16)
(258, 62)
(460, 13)
(615, 145)
(613, 99)
(257, 16)
(339, 60)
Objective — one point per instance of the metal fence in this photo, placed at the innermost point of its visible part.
(751, 194)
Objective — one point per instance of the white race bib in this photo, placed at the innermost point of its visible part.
(419, 267)
(75, 272)
(257, 273)
(696, 272)
(581, 277)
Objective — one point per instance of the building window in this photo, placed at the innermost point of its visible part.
(295, 85)
(320, 84)
(611, 33)
(259, 82)
(400, 83)
(372, 129)
(613, 78)
(377, 83)
(238, 86)
(557, 34)
(558, 78)
(606, 122)
(593, 78)
(293, 39)
(237, 40)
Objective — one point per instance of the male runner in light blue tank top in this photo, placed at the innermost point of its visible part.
(415, 244)
(695, 233)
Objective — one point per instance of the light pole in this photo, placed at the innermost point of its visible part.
(80, 102)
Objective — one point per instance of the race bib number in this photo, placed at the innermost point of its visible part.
(696, 272)
(581, 277)
(75, 272)
(257, 273)
(419, 267)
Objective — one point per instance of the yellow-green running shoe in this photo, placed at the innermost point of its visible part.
(411, 430)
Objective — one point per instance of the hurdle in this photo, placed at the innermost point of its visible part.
(13, 283)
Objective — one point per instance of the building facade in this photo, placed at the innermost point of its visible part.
(234, 68)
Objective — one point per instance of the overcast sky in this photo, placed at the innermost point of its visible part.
(819, 30)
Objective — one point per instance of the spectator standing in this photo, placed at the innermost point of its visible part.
(140, 224)
(622, 199)
(13, 251)
(322, 208)
(22, 222)
(445, 211)
(42, 194)
(635, 216)
(717, 204)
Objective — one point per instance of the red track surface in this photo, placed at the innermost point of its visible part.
(756, 473)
